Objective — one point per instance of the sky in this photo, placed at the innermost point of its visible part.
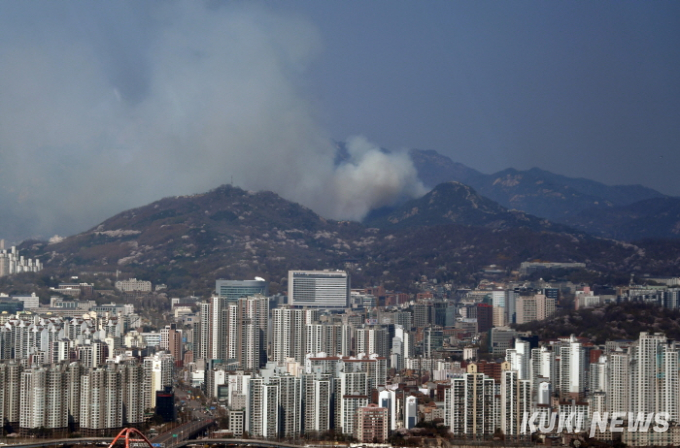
(110, 105)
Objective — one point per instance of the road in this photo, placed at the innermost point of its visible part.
(180, 433)
(197, 408)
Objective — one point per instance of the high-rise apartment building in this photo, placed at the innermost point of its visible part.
(572, 369)
(290, 405)
(372, 339)
(12, 385)
(252, 321)
(264, 408)
(36, 388)
(654, 384)
(470, 406)
(318, 395)
(288, 335)
(333, 339)
(619, 381)
(520, 359)
(515, 400)
(351, 393)
(101, 403)
(202, 333)
(371, 425)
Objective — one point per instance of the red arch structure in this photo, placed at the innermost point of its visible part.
(133, 439)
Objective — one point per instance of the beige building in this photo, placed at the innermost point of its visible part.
(499, 316)
(536, 307)
(371, 425)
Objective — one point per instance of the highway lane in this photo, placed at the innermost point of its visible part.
(180, 433)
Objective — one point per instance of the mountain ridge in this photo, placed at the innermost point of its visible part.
(187, 242)
(561, 199)
(456, 203)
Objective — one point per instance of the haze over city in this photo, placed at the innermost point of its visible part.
(107, 106)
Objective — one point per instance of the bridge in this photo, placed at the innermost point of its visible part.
(253, 443)
(181, 433)
(132, 440)
(63, 442)
(128, 438)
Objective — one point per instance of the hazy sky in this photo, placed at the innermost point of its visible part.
(586, 89)
(110, 105)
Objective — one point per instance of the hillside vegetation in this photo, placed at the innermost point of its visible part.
(622, 321)
(187, 242)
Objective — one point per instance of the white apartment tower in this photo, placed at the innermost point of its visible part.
(264, 408)
(202, 337)
(252, 321)
(619, 382)
(520, 359)
(351, 393)
(515, 400)
(572, 368)
(12, 384)
(288, 334)
(334, 339)
(101, 404)
(470, 404)
(372, 339)
(654, 376)
(318, 393)
(290, 402)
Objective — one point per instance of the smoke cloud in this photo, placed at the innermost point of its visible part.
(107, 106)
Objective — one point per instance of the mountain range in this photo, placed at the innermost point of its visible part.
(450, 234)
(465, 223)
(627, 212)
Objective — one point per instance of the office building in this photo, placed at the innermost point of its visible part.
(132, 285)
(411, 412)
(165, 404)
(532, 308)
(501, 340)
(322, 289)
(232, 290)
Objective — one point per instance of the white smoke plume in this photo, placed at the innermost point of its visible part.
(110, 105)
